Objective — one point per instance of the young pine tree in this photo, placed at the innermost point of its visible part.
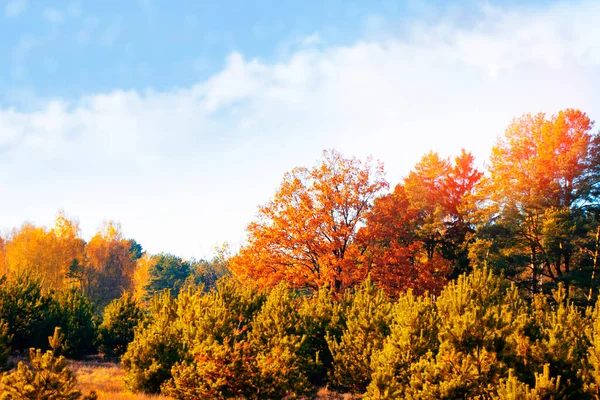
(367, 325)
(119, 320)
(47, 377)
(413, 334)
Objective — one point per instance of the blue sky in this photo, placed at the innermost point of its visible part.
(62, 48)
(179, 118)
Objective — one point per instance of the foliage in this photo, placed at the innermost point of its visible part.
(110, 265)
(25, 307)
(541, 197)
(5, 349)
(214, 328)
(166, 272)
(119, 320)
(47, 377)
(305, 235)
(74, 314)
(367, 320)
(413, 333)
(46, 252)
(156, 347)
(476, 314)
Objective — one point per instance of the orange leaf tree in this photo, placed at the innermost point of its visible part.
(50, 253)
(306, 234)
(544, 177)
(110, 266)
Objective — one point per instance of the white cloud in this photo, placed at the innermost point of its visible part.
(184, 170)
(15, 8)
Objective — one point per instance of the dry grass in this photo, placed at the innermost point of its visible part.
(326, 394)
(106, 379)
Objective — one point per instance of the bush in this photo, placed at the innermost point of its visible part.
(5, 349)
(74, 314)
(477, 316)
(26, 309)
(366, 327)
(283, 354)
(119, 321)
(321, 318)
(155, 348)
(219, 361)
(47, 377)
(413, 334)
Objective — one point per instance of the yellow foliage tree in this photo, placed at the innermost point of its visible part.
(110, 265)
(50, 253)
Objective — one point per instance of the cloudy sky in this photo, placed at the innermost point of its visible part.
(179, 118)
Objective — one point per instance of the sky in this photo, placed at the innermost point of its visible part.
(178, 119)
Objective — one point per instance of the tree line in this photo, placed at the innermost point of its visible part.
(533, 215)
(459, 283)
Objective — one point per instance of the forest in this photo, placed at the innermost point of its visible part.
(457, 282)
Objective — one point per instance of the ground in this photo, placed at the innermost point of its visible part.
(106, 379)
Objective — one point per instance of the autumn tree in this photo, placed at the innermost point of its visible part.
(418, 236)
(49, 252)
(392, 252)
(109, 267)
(306, 234)
(442, 193)
(543, 201)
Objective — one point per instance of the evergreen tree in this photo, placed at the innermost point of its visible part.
(46, 378)
(366, 326)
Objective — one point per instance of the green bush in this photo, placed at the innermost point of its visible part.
(477, 315)
(283, 354)
(155, 348)
(413, 334)
(218, 359)
(74, 314)
(26, 309)
(46, 377)
(5, 349)
(321, 318)
(559, 340)
(367, 324)
(119, 320)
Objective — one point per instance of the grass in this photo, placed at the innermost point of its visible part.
(106, 379)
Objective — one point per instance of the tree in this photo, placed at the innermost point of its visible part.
(544, 176)
(110, 265)
(442, 194)
(47, 377)
(395, 256)
(119, 320)
(167, 271)
(306, 234)
(50, 253)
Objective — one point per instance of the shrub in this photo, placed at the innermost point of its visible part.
(283, 354)
(47, 377)
(321, 318)
(559, 340)
(5, 349)
(74, 314)
(219, 361)
(366, 327)
(545, 387)
(26, 309)
(476, 317)
(413, 334)
(155, 348)
(119, 321)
